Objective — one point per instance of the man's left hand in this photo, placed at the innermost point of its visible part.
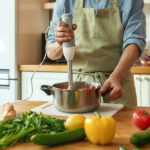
(113, 83)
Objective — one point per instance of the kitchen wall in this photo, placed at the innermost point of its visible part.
(32, 21)
(147, 14)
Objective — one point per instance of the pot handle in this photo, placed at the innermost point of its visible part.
(47, 89)
(107, 91)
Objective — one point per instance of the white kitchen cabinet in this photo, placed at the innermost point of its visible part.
(138, 87)
(146, 90)
(40, 78)
(142, 85)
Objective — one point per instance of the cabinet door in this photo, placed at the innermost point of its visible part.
(138, 87)
(142, 85)
(145, 90)
(40, 78)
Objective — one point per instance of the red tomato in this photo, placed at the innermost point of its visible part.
(141, 119)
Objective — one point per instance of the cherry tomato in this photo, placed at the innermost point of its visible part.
(141, 119)
(92, 87)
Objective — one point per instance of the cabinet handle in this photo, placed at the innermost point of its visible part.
(137, 78)
(148, 79)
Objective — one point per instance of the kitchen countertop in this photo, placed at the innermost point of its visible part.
(124, 130)
(57, 67)
(53, 67)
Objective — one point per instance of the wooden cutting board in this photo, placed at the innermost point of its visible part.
(124, 130)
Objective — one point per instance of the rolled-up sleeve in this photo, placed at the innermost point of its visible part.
(135, 29)
(57, 13)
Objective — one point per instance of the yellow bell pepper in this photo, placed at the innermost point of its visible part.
(100, 130)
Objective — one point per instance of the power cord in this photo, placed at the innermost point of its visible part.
(44, 58)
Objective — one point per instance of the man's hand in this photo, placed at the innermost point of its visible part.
(129, 56)
(113, 83)
(63, 33)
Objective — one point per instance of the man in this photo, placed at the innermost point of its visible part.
(109, 37)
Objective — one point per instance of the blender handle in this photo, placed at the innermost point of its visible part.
(67, 18)
(47, 89)
(107, 91)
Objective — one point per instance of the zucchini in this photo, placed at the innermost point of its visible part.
(50, 139)
(141, 138)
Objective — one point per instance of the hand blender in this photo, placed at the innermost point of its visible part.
(69, 50)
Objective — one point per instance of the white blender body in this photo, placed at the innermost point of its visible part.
(69, 50)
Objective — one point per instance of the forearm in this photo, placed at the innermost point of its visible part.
(128, 58)
(54, 50)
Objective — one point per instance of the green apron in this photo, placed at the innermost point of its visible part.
(98, 41)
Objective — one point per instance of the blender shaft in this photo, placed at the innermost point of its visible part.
(70, 78)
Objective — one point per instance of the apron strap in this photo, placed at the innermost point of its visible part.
(79, 4)
(113, 3)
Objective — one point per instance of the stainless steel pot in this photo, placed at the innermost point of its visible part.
(77, 100)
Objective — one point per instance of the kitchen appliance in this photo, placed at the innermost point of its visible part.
(77, 100)
(19, 43)
(8, 70)
(69, 50)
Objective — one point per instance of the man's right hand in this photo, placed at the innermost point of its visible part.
(63, 33)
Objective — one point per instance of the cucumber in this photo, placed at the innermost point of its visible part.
(123, 148)
(50, 139)
(141, 138)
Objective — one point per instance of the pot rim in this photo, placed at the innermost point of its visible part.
(88, 84)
